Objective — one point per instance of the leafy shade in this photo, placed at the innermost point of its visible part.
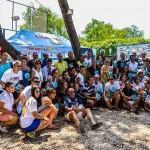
(99, 31)
(43, 20)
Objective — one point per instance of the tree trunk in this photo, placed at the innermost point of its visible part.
(7, 47)
(70, 27)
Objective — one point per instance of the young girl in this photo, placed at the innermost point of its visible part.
(7, 115)
(30, 119)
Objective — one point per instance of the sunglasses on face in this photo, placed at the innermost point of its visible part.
(19, 66)
(36, 82)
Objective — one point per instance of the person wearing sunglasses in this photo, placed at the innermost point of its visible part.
(26, 93)
(13, 75)
(31, 120)
(75, 111)
(37, 71)
(112, 93)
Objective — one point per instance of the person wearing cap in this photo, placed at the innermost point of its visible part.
(99, 89)
(112, 93)
(37, 71)
(75, 111)
(47, 70)
(61, 65)
(141, 76)
(71, 62)
(13, 75)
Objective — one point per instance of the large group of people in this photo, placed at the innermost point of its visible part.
(33, 92)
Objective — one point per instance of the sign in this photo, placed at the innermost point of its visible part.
(128, 50)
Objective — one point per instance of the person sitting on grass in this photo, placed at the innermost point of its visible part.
(112, 93)
(7, 115)
(32, 120)
(75, 111)
(130, 97)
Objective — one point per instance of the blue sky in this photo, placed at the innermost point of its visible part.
(120, 13)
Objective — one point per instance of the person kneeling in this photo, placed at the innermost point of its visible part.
(75, 111)
(7, 116)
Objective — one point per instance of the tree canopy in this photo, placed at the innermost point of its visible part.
(38, 19)
(99, 31)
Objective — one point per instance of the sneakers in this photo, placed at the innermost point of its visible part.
(137, 112)
(3, 129)
(97, 125)
(31, 135)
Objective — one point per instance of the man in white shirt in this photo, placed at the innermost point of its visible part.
(13, 75)
(47, 70)
(80, 75)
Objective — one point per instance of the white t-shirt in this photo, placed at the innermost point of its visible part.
(27, 118)
(10, 76)
(8, 100)
(88, 62)
(133, 66)
(45, 72)
(26, 92)
(112, 87)
(136, 87)
(81, 77)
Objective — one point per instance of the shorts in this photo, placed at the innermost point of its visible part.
(79, 115)
(35, 124)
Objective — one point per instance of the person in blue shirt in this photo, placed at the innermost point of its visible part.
(5, 64)
(75, 111)
(25, 72)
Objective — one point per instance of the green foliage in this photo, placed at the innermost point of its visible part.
(98, 34)
(99, 31)
(44, 18)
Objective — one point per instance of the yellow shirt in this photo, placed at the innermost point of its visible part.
(61, 66)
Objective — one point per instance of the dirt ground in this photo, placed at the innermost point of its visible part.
(120, 130)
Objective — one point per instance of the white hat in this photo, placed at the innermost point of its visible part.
(16, 62)
(140, 70)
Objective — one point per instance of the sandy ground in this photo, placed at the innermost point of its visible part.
(121, 130)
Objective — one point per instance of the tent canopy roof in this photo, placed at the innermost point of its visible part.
(28, 38)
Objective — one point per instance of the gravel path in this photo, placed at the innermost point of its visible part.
(121, 130)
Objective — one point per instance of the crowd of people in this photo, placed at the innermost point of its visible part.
(33, 92)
